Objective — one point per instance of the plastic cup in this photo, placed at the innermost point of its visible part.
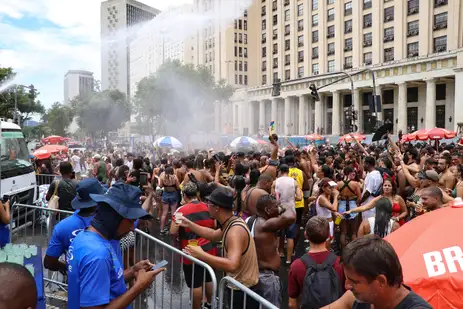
(338, 220)
(193, 242)
(178, 217)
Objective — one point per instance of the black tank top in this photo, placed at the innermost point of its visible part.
(411, 301)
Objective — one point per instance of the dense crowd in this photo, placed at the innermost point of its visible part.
(340, 201)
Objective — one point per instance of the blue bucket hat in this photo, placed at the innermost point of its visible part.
(125, 200)
(84, 189)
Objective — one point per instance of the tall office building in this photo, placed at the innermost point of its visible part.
(414, 49)
(77, 82)
(120, 20)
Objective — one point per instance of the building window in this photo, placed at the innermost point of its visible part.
(245, 25)
(264, 25)
(300, 41)
(331, 49)
(367, 21)
(241, 38)
(287, 44)
(413, 28)
(366, 4)
(287, 75)
(236, 52)
(275, 63)
(287, 15)
(315, 36)
(347, 8)
(274, 5)
(246, 80)
(314, 20)
(263, 11)
(314, 52)
(331, 66)
(440, 21)
(236, 38)
(348, 63)
(330, 14)
(330, 2)
(245, 38)
(389, 54)
(264, 79)
(275, 20)
(240, 67)
(275, 48)
(412, 49)
(412, 94)
(314, 5)
(367, 58)
(389, 34)
(389, 14)
(236, 79)
(367, 39)
(440, 44)
(300, 25)
(275, 76)
(241, 79)
(300, 10)
(287, 59)
(264, 66)
(348, 44)
(236, 26)
(240, 24)
(236, 65)
(287, 29)
(438, 3)
(348, 26)
(264, 51)
(240, 51)
(330, 32)
(300, 72)
(275, 34)
(245, 52)
(315, 69)
(413, 7)
(300, 56)
(441, 90)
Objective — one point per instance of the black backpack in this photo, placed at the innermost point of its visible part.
(322, 285)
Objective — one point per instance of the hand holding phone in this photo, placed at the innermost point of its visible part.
(159, 265)
(143, 179)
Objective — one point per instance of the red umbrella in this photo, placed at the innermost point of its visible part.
(262, 142)
(46, 151)
(432, 134)
(430, 251)
(53, 139)
(314, 137)
(348, 138)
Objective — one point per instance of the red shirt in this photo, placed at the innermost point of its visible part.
(298, 270)
(198, 213)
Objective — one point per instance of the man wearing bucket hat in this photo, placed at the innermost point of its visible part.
(66, 230)
(96, 277)
(239, 260)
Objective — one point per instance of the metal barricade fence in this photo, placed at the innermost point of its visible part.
(33, 225)
(169, 289)
(45, 179)
(227, 298)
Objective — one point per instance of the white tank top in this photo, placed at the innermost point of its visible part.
(371, 221)
(285, 190)
(322, 211)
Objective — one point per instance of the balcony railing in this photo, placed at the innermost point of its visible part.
(389, 38)
(367, 24)
(367, 43)
(412, 54)
(440, 48)
(440, 25)
(438, 3)
(315, 56)
(413, 10)
(412, 32)
(348, 48)
(330, 35)
(347, 66)
(367, 5)
(331, 52)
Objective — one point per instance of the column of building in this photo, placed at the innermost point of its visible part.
(430, 110)
(402, 108)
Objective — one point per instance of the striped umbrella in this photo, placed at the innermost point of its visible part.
(243, 141)
(168, 141)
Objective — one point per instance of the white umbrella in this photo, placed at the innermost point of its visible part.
(168, 141)
(243, 141)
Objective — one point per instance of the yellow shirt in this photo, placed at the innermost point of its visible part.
(296, 174)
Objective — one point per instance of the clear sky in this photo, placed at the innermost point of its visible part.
(43, 39)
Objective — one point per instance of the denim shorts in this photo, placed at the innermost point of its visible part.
(170, 198)
(289, 232)
(352, 205)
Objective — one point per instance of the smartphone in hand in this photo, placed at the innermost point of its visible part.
(143, 179)
(161, 264)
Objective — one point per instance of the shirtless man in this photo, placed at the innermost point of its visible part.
(250, 195)
(271, 167)
(200, 176)
(179, 170)
(264, 226)
(446, 178)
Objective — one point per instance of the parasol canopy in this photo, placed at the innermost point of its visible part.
(431, 134)
(314, 137)
(348, 138)
(46, 151)
(54, 139)
(430, 249)
(168, 141)
(243, 141)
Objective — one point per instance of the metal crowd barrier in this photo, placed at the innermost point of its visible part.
(229, 296)
(172, 281)
(45, 179)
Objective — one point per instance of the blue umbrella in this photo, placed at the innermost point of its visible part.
(168, 141)
(243, 141)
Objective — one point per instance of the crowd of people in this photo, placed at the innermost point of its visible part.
(339, 201)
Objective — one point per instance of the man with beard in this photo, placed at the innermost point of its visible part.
(264, 227)
(250, 195)
(96, 278)
(374, 278)
(446, 178)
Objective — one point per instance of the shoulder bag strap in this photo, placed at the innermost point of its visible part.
(55, 192)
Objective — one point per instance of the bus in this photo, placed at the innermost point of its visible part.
(17, 172)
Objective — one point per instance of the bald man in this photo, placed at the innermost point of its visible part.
(18, 287)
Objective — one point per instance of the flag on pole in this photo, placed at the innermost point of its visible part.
(271, 128)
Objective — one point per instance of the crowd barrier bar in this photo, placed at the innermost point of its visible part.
(263, 303)
(144, 244)
(45, 179)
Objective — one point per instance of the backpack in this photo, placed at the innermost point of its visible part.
(321, 285)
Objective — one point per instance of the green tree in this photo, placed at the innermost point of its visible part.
(102, 112)
(178, 99)
(27, 102)
(58, 118)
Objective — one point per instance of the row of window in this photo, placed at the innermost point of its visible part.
(241, 52)
(241, 79)
(241, 24)
(240, 67)
(241, 38)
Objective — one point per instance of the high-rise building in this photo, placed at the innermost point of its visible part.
(165, 40)
(413, 48)
(77, 82)
(120, 20)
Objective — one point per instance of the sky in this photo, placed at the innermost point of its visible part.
(43, 39)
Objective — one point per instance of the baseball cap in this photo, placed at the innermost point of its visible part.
(83, 190)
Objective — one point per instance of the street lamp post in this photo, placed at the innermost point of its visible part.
(16, 117)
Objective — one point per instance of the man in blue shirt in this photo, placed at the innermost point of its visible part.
(96, 278)
(66, 230)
